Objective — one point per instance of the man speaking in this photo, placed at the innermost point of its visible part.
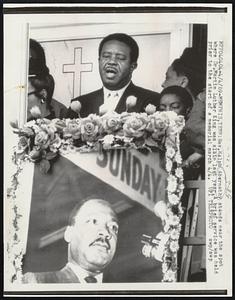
(118, 55)
(92, 237)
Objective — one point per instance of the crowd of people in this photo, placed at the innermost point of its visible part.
(183, 92)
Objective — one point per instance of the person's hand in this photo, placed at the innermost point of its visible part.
(192, 160)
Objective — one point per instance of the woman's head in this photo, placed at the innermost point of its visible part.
(40, 92)
(188, 71)
(177, 99)
(37, 59)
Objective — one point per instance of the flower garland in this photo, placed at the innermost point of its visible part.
(15, 244)
(174, 210)
(41, 141)
(166, 244)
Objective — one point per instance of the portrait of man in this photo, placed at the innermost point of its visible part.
(92, 238)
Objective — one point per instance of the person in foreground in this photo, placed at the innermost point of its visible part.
(92, 237)
(189, 72)
(118, 55)
(178, 99)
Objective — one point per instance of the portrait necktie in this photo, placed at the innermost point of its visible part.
(90, 279)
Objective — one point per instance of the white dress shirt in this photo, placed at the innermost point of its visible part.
(111, 98)
(82, 274)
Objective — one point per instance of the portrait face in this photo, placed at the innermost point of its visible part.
(93, 237)
(173, 79)
(170, 102)
(115, 65)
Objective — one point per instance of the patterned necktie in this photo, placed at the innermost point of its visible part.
(112, 101)
(90, 279)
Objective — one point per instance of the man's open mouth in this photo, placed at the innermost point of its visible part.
(110, 70)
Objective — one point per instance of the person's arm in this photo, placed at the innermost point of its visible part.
(192, 159)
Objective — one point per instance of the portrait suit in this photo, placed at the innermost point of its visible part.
(65, 275)
(91, 102)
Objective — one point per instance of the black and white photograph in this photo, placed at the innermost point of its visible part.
(117, 149)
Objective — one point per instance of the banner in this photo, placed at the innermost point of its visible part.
(132, 181)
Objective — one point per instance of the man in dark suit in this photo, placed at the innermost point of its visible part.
(118, 55)
(92, 238)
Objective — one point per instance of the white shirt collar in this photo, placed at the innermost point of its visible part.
(119, 92)
(81, 273)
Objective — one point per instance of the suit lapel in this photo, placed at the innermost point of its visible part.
(68, 275)
(121, 107)
(99, 100)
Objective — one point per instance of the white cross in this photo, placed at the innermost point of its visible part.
(77, 68)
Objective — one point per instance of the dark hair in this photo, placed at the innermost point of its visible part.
(192, 64)
(37, 60)
(41, 82)
(74, 212)
(181, 93)
(126, 39)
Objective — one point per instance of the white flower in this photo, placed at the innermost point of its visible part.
(175, 234)
(76, 106)
(178, 123)
(170, 276)
(170, 152)
(174, 220)
(35, 112)
(179, 172)
(168, 165)
(18, 262)
(171, 115)
(107, 141)
(17, 248)
(173, 199)
(174, 246)
(130, 102)
(172, 183)
(56, 143)
(150, 109)
(30, 123)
